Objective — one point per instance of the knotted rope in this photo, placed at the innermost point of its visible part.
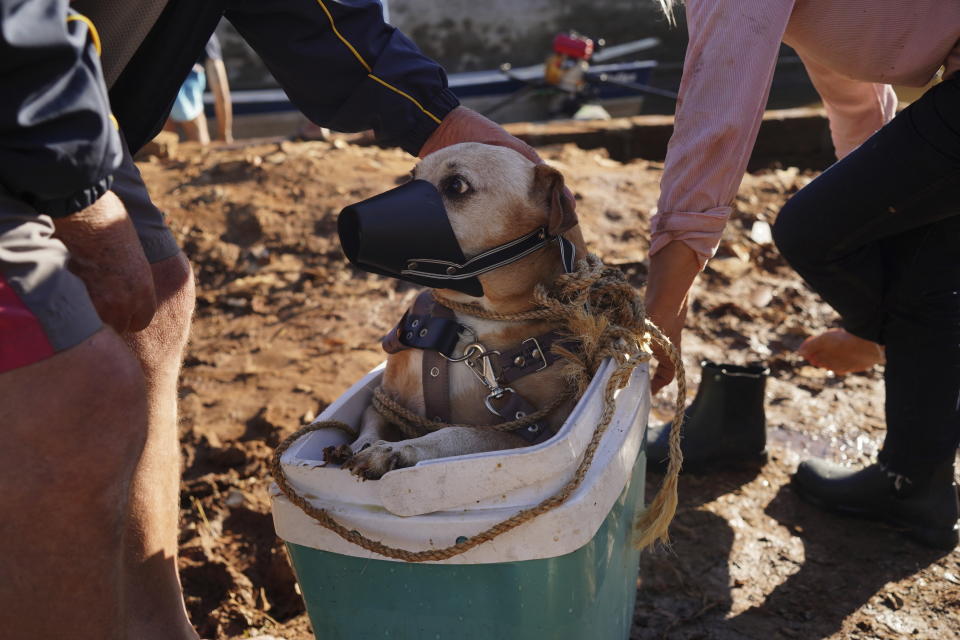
(605, 314)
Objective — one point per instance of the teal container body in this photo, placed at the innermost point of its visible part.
(587, 594)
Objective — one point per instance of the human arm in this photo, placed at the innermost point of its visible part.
(856, 109)
(58, 147)
(364, 75)
(347, 69)
(726, 79)
(672, 272)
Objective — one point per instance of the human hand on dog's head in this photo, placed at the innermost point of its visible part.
(465, 125)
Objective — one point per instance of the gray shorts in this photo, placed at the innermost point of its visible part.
(44, 308)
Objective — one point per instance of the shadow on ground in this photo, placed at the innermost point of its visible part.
(827, 570)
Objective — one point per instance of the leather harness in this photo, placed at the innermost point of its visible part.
(433, 328)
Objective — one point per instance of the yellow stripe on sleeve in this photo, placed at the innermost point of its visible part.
(94, 36)
(333, 26)
(407, 96)
(95, 39)
(369, 69)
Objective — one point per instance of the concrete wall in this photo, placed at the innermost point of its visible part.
(465, 35)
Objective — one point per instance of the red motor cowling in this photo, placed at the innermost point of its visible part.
(573, 45)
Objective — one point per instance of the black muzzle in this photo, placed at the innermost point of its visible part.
(405, 233)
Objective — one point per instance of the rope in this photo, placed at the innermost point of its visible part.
(606, 314)
(479, 312)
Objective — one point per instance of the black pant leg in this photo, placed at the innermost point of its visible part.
(922, 335)
(878, 237)
(905, 176)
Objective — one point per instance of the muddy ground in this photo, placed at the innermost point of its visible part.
(283, 326)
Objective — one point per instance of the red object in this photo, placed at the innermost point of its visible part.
(573, 46)
(22, 339)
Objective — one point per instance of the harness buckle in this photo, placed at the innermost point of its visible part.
(536, 352)
(485, 373)
(496, 394)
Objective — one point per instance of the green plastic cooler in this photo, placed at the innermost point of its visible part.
(569, 574)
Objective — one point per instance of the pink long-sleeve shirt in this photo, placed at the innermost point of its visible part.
(853, 50)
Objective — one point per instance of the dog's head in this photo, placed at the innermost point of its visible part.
(493, 195)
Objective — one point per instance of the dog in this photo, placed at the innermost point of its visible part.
(492, 196)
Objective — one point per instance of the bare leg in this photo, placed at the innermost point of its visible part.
(841, 352)
(73, 428)
(222, 104)
(196, 130)
(378, 459)
(155, 599)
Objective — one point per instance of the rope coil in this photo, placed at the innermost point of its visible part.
(605, 313)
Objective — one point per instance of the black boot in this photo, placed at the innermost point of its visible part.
(724, 426)
(926, 509)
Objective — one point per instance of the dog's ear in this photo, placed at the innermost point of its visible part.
(549, 190)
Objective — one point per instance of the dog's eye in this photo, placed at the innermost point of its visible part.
(456, 186)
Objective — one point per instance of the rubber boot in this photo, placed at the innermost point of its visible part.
(926, 509)
(724, 427)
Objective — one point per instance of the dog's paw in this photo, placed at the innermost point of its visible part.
(374, 461)
(362, 443)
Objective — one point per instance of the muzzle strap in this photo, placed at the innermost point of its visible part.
(568, 254)
(487, 261)
(491, 259)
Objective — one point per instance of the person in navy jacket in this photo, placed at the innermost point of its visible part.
(96, 296)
